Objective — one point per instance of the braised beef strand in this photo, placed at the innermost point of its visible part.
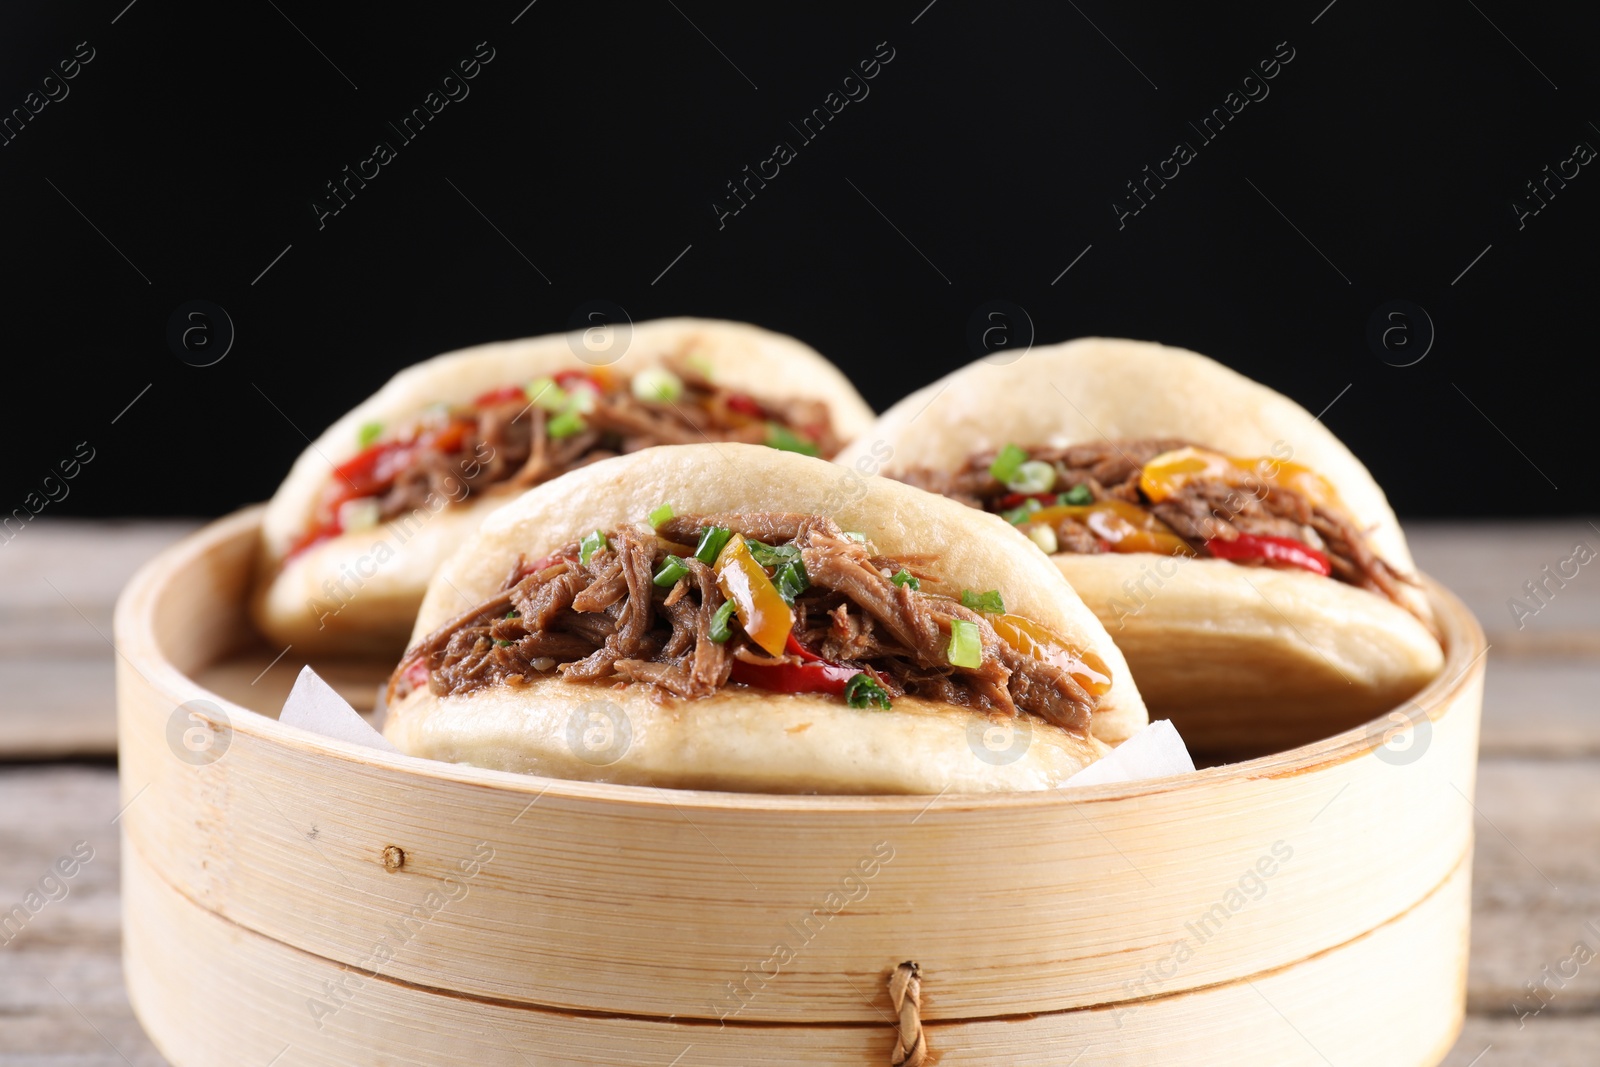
(1199, 512)
(607, 621)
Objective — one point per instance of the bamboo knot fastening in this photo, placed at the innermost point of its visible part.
(905, 990)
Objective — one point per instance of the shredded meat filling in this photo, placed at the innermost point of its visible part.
(607, 620)
(509, 441)
(1199, 512)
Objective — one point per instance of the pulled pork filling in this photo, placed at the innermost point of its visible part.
(522, 435)
(788, 603)
(1169, 496)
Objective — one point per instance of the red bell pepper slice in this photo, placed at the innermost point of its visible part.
(416, 673)
(577, 379)
(503, 395)
(744, 405)
(816, 675)
(1011, 500)
(1277, 551)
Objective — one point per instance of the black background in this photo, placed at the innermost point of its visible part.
(597, 140)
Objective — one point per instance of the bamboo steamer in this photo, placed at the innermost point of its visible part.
(286, 890)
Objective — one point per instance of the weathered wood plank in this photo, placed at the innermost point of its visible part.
(62, 1000)
(1541, 707)
(59, 580)
(1536, 886)
(1488, 564)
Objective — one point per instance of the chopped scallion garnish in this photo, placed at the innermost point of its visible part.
(1034, 476)
(545, 393)
(862, 690)
(566, 424)
(966, 649)
(856, 535)
(1077, 496)
(905, 577)
(660, 515)
(786, 440)
(672, 568)
(791, 580)
(656, 385)
(1020, 513)
(719, 622)
(369, 432)
(502, 644)
(989, 603)
(772, 555)
(1004, 467)
(712, 539)
(513, 614)
(595, 542)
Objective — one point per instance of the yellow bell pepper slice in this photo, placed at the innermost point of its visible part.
(1169, 472)
(1125, 527)
(1029, 637)
(761, 610)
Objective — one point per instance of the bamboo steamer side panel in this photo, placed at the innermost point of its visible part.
(213, 992)
(652, 902)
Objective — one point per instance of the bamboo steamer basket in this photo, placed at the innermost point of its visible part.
(287, 894)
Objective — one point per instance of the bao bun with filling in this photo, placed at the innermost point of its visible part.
(450, 439)
(1248, 650)
(451, 698)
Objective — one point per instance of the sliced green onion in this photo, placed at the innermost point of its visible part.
(660, 515)
(656, 385)
(1077, 496)
(672, 568)
(369, 432)
(712, 538)
(966, 650)
(580, 400)
(595, 542)
(772, 555)
(502, 644)
(698, 363)
(513, 614)
(791, 580)
(1020, 513)
(719, 622)
(566, 424)
(1042, 535)
(1034, 476)
(856, 535)
(905, 577)
(786, 440)
(545, 393)
(1004, 467)
(989, 603)
(863, 691)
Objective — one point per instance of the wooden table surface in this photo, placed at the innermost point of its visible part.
(1536, 873)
